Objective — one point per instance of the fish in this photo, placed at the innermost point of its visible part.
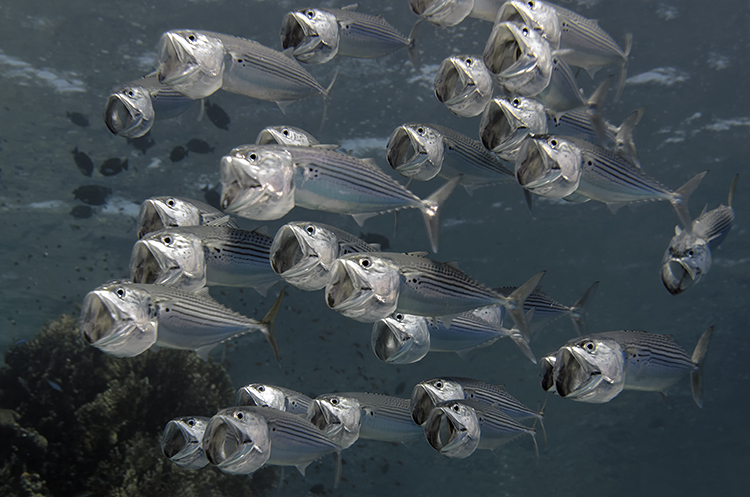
(83, 162)
(518, 59)
(217, 116)
(423, 151)
(265, 182)
(158, 213)
(312, 35)
(507, 121)
(596, 368)
(463, 84)
(191, 257)
(688, 256)
(274, 397)
(400, 338)
(240, 440)
(199, 146)
(446, 13)
(539, 16)
(285, 135)
(549, 166)
(367, 36)
(125, 319)
(78, 119)
(337, 416)
(132, 107)
(562, 95)
(384, 418)
(370, 287)
(113, 166)
(92, 194)
(181, 441)
(191, 62)
(178, 153)
(303, 252)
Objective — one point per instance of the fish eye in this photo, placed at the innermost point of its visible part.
(516, 102)
(167, 240)
(469, 61)
(334, 401)
(691, 253)
(253, 156)
(530, 4)
(590, 346)
(285, 132)
(456, 408)
(261, 388)
(192, 38)
(399, 317)
(310, 14)
(310, 229)
(525, 31)
(553, 143)
(420, 130)
(438, 384)
(130, 93)
(191, 422)
(171, 202)
(239, 415)
(365, 262)
(120, 292)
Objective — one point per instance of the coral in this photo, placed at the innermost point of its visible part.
(80, 421)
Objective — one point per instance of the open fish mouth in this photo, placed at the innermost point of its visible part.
(503, 53)
(404, 155)
(344, 290)
(575, 376)
(289, 252)
(497, 128)
(448, 435)
(123, 119)
(145, 266)
(237, 442)
(176, 63)
(533, 171)
(97, 320)
(547, 372)
(176, 441)
(676, 276)
(453, 83)
(387, 342)
(423, 401)
(150, 219)
(293, 32)
(222, 440)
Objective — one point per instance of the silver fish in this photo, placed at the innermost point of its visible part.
(369, 287)
(181, 442)
(367, 36)
(266, 181)
(562, 94)
(688, 256)
(191, 257)
(549, 166)
(157, 213)
(507, 121)
(518, 58)
(311, 34)
(132, 107)
(240, 440)
(400, 338)
(274, 397)
(442, 12)
(303, 252)
(464, 84)
(416, 151)
(337, 416)
(191, 62)
(384, 418)
(285, 135)
(125, 319)
(596, 368)
(538, 15)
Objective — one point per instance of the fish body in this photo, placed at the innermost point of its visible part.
(158, 213)
(303, 252)
(596, 368)
(192, 257)
(285, 135)
(124, 319)
(507, 121)
(181, 442)
(384, 418)
(367, 36)
(464, 84)
(401, 338)
(562, 94)
(549, 166)
(688, 256)
(442, 13)
(337, 416)
(274, 397)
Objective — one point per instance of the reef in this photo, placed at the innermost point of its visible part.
(75, 421)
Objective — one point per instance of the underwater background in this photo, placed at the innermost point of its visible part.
(688, 67)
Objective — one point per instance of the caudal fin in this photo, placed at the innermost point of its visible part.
(514, 303)
(268, 320)
(578, 310)
(431, 210)
(624, 66)
(680, 199)
(624, 144)
(732, 189)
(696, 376)
(521, 341)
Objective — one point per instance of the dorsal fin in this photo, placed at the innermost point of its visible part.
(351, 7)
(262, 230)
(202, 292)
(419, 253)
(219, 221)
(453, 264)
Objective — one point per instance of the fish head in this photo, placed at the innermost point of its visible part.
(549, 166)
(507, 121)
(547, 372)
(157, 213)
(129, 111)
(181, 442)
(237, 440)
(518, 58)
(539, 16)
(169, 257)
(312, 34)
(191, 62)
(687, 258)
(303, 253)
(589, 370)
(119, 319)
(453, 429)
(400, 338)
(262, 395)
(464, 85)
(364, 287)
(337, 416)
(285, 135)
(257, 182)
(427, 394)
(416, 151)
(442, 12)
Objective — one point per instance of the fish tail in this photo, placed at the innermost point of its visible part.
(268, 320)
(596, 104)
(514, 304)
(430, 208)
(521, 341)
(696, 376)
(624, 66)
(578, 310)
(624, 138)
(326, 92)
(680, 199)
(731, 190)
(413, 52)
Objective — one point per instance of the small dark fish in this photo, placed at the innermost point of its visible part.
(92, 194)
(81, 212)
(376, 238)
(199, 146)
(55, 386)
(113, 166)
(217, 116)
(83, 161)
(78, 119)
(142, 143)
(178, 153)
(212, 197)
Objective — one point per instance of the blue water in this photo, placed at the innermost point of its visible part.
(61, 57)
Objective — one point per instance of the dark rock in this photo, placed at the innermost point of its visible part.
(78, 119)
(83, 161)
(113, 166)
(178, 153)
(81, 211)
(92, 194)
(199, 146)
(217, 116)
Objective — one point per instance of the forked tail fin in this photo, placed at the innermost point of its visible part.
(680, 199)
(514, 303)
(696, 376)
(431, 210)
(268, 320)
(624, 66)
(578, 310)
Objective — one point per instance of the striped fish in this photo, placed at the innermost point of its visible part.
(124, 319)
(338, 416)
(401, 338)
(132, 107)
(595, 368)
(442, 12)
(157, 213)
(191, 62)
(367, 36)
(549, 166)
(312, 35)
(507, 121)
(463, 84)
(265, 395)
(562, 94)
(384, 417)
(192, 257)
(181, 442)
(285, 135)
(540, 16)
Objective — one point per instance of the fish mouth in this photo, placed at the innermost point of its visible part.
(498, 126)
(511, 13)
(534, 171)
(321, 417)
(575, 376)
(123, 119)
(677, 276)
(501, 56)
(176, 441)
(344, 289)
(98, 321)
(237, 443)
(295, 31)
(547, 372)
(423, 401)
(176, 63)
(223, 440)
(147, 264)
(446, 434)
(289, 251)
(150, 219)
(387, 342)
(240, 184)
(404, 153)
(453, 83)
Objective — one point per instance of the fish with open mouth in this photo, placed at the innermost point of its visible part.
(688, 256)
(337, 416)
(266, 181)
(281, 398)
(285, 135)
(158, 213)
(384, 418)
(311, 34)
(596, 368)
(191, 62)
(191, 257)
(132, 107)
(507, 121)
(451, 12)
(240, 440)
(400, 338)
(549, 166)
(370, 287)
(464, 84)
(125, 319)
(303, 252)
(181, 442)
